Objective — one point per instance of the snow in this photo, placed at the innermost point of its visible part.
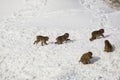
(7, 7)
(21, 60)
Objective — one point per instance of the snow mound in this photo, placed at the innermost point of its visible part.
(114, 3)
(98, 6)
(21, 60)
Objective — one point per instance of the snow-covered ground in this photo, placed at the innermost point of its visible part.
(21, 60)
(7, 7)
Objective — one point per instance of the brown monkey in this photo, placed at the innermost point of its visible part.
(61, 39)
(96, 34)
(108, 47)
(41, 39)
(85, 59)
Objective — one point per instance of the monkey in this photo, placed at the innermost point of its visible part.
(85, 58)
(61, 39)
(108, 47)
(41, 39)
(96, 34)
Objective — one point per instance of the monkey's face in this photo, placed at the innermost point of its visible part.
(101, 30)
(106, 42)
(90, 53)
(66, 35)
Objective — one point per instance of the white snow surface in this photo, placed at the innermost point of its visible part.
(21, 60)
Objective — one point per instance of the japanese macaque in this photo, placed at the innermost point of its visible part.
(96, 34)
(108, 47)
(42, 39)
(61, 39)
(85, 59)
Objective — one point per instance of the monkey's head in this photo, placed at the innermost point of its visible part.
(106, 42)
(66, 35)
(90, 53)
(46, 38)
(101, 30)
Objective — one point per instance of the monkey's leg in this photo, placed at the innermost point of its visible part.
(61, 42)
(34, 42)
(89, 62)
(102, 35)
(42, 43)
(91, 57)
(56, 43)
(84, 62)
(45, 42)
(104, 49)
(67, 39)
(92, 38)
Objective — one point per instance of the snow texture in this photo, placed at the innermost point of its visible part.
(21, 60)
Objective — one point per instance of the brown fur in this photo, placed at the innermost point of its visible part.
(61, 39)
(96, 34)
(108, 47)
(85, 59)
(42, 39)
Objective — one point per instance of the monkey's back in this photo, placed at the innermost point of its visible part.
(108, 47)
(85, 57)
(61, 38)
(96, 33)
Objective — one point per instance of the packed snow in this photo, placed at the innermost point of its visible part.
(20, 59)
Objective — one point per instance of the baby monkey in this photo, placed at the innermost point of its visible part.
(108, 47)
(96, 34)
(61, 39)
(85, 59)
(42, 39)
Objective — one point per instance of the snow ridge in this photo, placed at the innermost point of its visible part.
(21, 60)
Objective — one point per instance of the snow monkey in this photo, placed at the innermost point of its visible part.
(85, 58)
(96, 34)
(108, 47)
(61, 39)
(41, 39)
